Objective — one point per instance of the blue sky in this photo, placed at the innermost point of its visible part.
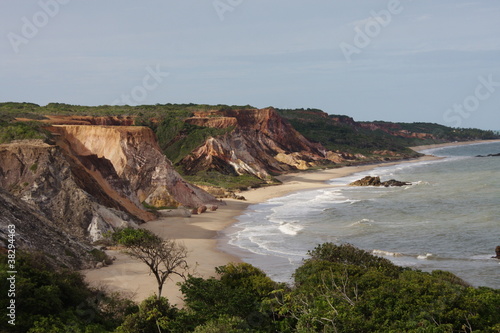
(396, 60)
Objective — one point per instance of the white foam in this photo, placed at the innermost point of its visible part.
(425, 256)
(291, 229)
(362, 222)
(386, 253)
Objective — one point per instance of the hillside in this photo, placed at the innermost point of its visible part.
(235, 147)
(343, 133)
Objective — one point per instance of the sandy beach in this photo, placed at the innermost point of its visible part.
(199, 233)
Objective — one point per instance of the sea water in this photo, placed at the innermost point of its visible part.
(447, 219)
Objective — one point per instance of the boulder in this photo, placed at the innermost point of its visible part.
(202, 209)
(367, 181)
(375, 181)
(393, 182)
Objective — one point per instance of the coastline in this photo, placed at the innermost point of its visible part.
(451, 144)
(199, 233)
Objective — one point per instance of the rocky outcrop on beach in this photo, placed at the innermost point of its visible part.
(260, 143)
(375, 181)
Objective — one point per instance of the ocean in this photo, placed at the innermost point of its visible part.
(448, 219)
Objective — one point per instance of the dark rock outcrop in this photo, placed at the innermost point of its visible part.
(34, 232)
(489, 155)
(375, 181)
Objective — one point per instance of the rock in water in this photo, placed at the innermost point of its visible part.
(489, 155)
(497, 252)
(393, 182)
(375, 181)
(367, 181)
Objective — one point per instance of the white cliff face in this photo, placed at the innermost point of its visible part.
(106, 220)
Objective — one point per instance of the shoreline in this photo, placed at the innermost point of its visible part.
(451, 144)
(200, 233)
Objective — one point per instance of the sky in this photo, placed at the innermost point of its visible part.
(393, 60)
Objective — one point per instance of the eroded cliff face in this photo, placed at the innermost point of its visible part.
(262, 143)
(52, 182)
(34, 232)
(136, 158)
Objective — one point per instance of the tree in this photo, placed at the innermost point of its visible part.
(164, 257)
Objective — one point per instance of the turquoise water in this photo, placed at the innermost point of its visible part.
(448, 219)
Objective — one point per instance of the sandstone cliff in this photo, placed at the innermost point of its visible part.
(261, 143)
(137, 159)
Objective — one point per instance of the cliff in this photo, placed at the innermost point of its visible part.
(137, 160)
(34, 232)
(61, 190)
(261, 143)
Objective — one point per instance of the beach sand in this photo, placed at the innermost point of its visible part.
(199, 234)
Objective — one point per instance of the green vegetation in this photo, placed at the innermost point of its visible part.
(144, 112)
(10, 131)
(339, 288)
(177, 138)
(230, 182)
(49, 299)
(342, 133)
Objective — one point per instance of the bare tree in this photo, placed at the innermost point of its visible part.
(164, 257)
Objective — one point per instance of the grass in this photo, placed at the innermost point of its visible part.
(241, 182)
